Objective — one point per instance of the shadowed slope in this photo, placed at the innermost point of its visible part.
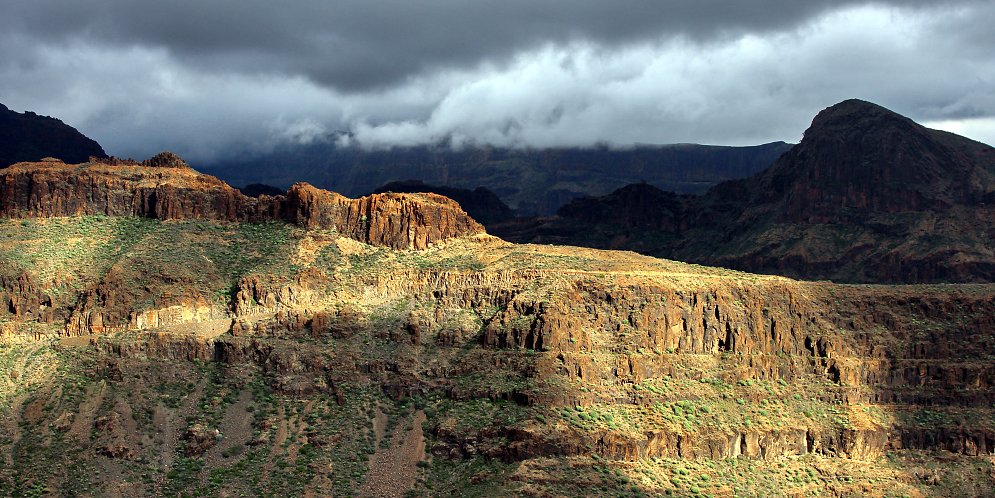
(867, 196)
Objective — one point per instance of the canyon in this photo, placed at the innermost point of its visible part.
(163, 334)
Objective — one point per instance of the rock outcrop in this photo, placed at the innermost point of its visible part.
(214, 340)
(22, 298)
(398, 221)
(165, 187)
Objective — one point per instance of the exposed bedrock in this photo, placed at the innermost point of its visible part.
(164, 187)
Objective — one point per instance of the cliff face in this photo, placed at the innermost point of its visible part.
(867, 196)
(135, 339)
(397, 221)
(30, 137)
(165, 188)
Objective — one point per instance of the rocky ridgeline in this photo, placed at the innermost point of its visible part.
(897, 348)
(165, 187)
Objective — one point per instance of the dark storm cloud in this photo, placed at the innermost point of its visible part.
(224, 77)
(356, 45)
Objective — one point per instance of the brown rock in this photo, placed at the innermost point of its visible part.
(165, 160)
(164, 187)
(399, 221)
(121, 451)
(199, 439)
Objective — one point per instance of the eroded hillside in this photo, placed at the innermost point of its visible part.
(146, 356)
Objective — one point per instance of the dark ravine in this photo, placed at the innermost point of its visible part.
(867, 196)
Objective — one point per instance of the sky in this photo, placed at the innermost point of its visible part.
(210, 80)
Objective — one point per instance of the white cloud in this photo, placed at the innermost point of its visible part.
(980, 129)
(744, 89)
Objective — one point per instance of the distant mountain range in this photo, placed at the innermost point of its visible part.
(530, 181)
(867, 196)
(30, 137)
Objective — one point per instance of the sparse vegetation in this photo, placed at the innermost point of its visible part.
(295, 403)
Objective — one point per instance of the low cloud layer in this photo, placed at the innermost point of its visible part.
(219, 79)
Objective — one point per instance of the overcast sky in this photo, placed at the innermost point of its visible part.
(210, 79)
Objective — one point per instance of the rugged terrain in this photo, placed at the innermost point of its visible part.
(867, 196)
(161, 334)
(30, 137)
(530, 181)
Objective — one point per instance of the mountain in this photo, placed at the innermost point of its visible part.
(162, 334)
(867, 196)
(480, 203)
(30, 137)
(530, 181)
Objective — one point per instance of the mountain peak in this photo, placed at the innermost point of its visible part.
(859, 157)
(855, 115)
(30, 137)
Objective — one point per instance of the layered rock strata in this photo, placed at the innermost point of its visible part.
(164, 187)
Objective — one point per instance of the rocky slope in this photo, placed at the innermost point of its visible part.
(166, 188)
(530, 181)
(867, 196)
(30, 137)
(220, 351)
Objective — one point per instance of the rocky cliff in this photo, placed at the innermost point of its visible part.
(867, 196)
(30, 137)
(273, 357)
(166, 188)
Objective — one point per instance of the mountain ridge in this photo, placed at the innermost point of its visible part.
(165, 187)
(530, 181)
(30, 137)
(867, 196)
